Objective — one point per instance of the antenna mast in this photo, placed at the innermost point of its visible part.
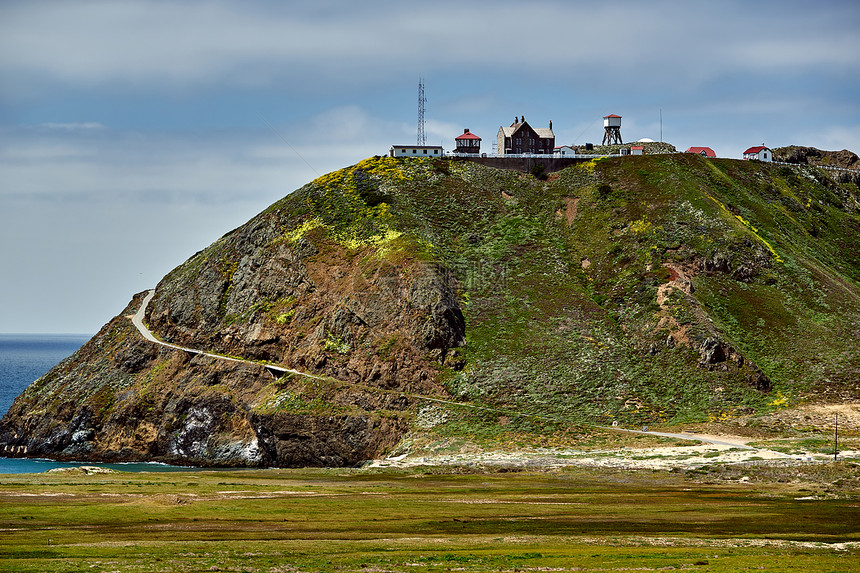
(422, 139)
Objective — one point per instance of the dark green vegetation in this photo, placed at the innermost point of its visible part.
(650, 290)
(560, 282)
(346, 520)
(572, 287)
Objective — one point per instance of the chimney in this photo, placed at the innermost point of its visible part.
(550, 124)
(522, 119)
(465, 131)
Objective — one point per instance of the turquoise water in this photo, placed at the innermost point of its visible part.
(31, 466)
(24, 358)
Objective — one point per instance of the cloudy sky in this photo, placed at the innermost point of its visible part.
(132, 133)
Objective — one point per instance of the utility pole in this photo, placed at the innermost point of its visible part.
(836, 439)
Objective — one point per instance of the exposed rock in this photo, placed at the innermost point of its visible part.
(712, 351)
(394, 283)
(811, 156)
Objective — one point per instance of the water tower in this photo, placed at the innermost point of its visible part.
(612, 127)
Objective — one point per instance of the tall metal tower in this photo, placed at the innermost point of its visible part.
(422, 139)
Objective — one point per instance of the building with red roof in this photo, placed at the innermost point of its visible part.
(612, 128)
(759, 152)
(467, 143)
(704, 151)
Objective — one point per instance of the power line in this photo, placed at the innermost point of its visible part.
(288, 144)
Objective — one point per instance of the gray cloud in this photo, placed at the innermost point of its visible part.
(99, 203)
(166, 46)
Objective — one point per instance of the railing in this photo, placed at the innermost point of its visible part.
(817, 166)
(527, 155)
(595, 156)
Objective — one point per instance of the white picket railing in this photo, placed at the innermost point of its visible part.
(817, 166)
(594, 156)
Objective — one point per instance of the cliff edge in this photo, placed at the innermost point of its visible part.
(455, 299)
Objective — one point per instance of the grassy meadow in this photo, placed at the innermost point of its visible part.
(428, 519)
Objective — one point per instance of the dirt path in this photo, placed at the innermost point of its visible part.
(712, 449)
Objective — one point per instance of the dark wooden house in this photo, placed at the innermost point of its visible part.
(521, 138)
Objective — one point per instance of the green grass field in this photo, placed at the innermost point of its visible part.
(427, 520)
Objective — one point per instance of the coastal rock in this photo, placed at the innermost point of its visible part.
(396, 284)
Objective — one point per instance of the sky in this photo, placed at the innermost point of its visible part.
(133, 134)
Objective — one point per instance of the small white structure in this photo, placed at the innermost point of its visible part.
(759, 153)
(637, 149)
(612, 129)
(564, 151)
(415, 151)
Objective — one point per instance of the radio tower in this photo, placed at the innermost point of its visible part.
(422, 139)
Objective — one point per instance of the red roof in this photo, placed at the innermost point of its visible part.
(637, 147)
(611, 115)
(755, 149)
(467, 135)
(706, 151)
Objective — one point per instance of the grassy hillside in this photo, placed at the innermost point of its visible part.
(588, 296)
(656, 289)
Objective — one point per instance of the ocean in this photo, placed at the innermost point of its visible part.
(24, 358)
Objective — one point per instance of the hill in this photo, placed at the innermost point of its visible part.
(445, 298)
(811, 156)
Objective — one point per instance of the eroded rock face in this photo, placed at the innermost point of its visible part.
(586, 294)
(844, 159)
(178, 408)
(357, 318)
(716, 354)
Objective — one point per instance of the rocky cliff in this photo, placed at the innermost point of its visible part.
(843, 159)
(663, 288)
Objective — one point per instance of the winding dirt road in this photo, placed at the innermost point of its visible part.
(275, 370)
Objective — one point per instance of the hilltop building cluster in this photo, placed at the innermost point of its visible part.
(521, 139)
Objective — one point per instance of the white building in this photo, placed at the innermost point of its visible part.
(564, 151)
(416, 151)
(759, 152)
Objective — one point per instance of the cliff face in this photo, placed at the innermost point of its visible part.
(811, 156)
(642, 289)
(843, 159)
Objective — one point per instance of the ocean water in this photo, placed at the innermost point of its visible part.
(24, 358)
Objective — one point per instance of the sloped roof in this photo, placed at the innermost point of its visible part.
(756, 149)
(708, 152)
(543, 132)
(611, 115)
(467, 135)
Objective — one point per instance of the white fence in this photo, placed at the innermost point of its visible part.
(817, 166)
(584, 156)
